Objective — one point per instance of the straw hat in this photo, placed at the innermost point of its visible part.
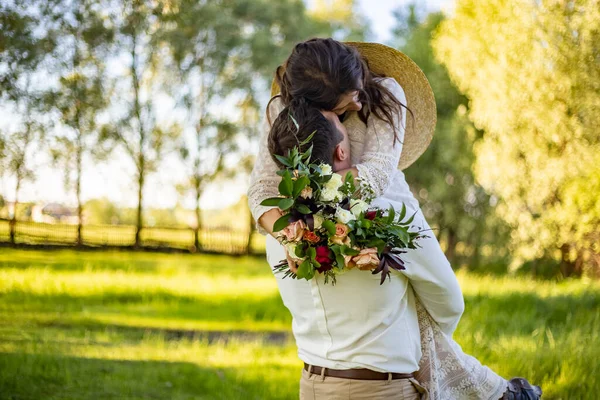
(389, 62)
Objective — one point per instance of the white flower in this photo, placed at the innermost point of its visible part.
(318, 220)
(329, 194)
(334, 183)
(344, 216)
(325, 169)
(358, 206)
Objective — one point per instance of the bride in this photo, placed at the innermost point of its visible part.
(354, 338)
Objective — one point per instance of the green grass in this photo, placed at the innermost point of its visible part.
(112, 325)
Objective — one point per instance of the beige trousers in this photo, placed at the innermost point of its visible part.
(317, 387)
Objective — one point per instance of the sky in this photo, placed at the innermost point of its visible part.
(115, 179)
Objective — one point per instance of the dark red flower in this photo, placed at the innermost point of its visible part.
(370, 215)
(324, 258)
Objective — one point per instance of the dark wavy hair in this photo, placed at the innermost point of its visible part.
(322, 70)
(284, 135)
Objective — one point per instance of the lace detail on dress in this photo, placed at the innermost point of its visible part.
(264, 179)
(381, 152)
(378, 169)
(446, 371)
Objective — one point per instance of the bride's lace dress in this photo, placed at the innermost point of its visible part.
(444, 369)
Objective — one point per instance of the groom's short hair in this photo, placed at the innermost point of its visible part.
(285, 135)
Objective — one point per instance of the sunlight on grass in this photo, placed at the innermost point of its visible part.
(213, 327)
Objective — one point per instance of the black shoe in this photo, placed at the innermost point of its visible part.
(521, 389)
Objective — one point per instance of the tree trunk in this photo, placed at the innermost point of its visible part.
(141, 158)
(451, 246)
(78, 190)
(567, 266)
(197, 243)
(13, 220)
(138, 228)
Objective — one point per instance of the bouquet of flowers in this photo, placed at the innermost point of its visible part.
(328, 226)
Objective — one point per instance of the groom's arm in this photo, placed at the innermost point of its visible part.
(434, 281)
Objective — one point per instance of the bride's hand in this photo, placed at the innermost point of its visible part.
(291, 263)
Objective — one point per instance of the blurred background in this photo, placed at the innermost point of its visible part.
(129, 262)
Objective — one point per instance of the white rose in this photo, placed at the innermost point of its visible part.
(344, 216)
(358, 206)
(329, 194)
(335, 182)
(325, 169)
(318, 219)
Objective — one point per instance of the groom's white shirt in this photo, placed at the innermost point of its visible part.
(357, 323)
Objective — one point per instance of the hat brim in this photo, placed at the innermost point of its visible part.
(389, 62)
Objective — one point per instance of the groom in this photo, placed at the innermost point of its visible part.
(331, 145)
(357, 331)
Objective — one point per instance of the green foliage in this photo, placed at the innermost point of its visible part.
(531, 71)
(454, 203)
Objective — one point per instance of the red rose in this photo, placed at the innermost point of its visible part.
(324, 258)
(370, 215)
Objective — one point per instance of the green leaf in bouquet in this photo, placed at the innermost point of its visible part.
(286, 185)
(349, 182)
(308, 139)
(402, 212)
(300, 251)
(348, 251)
(411, 219)
(273, 201)
(281, 223)
(299, 185)
(329, 226)
(365, 223)
(341, 262)
(391, 215)
(303, 209)
(305, 270)
(285, 204)
(379, 243)
(311, 252)
(307, 154)
(284, 160)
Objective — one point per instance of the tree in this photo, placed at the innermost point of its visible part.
(27, 37)
(224, 53)
(341, 16)
(442, 177)
(137, 131)
(532, 72)
(82, 94)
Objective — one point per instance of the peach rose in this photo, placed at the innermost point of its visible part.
(348, 262)
(294, 231)
(341, 233)
(367, 259)
(311, 237)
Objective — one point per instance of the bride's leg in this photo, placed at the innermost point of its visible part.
(446, 371)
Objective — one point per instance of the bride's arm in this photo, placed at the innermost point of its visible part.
(381, 154)
(264, 179)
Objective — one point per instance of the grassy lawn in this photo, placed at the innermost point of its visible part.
(110, 325)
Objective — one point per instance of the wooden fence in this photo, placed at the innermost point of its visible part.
(212, 239)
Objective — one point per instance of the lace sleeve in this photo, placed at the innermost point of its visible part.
(263, 179)
(380, 157)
